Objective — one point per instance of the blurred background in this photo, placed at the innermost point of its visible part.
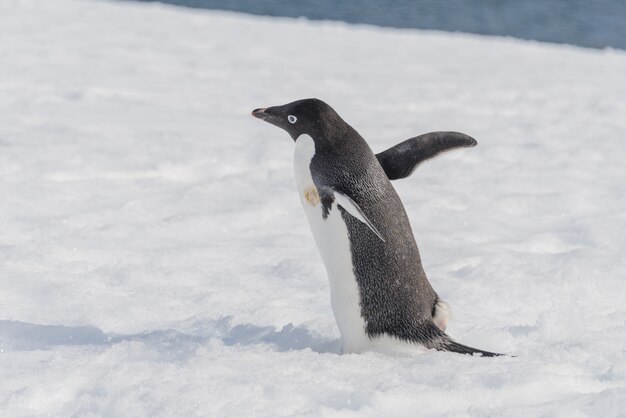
(596, 24)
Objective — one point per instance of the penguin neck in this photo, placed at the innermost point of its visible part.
(334, 137)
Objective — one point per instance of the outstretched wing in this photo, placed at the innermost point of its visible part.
(401, 160)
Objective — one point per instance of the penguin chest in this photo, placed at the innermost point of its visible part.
(333, 242)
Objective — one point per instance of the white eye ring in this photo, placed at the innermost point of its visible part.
(292, 119)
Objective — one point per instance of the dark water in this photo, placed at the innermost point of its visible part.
(590, 23)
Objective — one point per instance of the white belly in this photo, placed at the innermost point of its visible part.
(331, 237)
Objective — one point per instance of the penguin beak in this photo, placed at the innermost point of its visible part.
(271, 115)
(260, 113)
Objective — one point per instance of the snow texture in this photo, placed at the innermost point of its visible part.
(155, 260)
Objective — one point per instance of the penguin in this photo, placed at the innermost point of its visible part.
(380, 295)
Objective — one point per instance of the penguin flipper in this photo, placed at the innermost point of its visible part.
(353, 209)
(401, 160)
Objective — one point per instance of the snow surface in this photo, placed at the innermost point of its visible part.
(155, 260)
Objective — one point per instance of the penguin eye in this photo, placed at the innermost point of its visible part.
(292, 119)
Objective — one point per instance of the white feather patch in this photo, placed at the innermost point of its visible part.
(442, 316)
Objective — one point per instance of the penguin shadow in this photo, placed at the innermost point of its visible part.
(23, 336)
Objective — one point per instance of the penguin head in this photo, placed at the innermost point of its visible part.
(308, 116)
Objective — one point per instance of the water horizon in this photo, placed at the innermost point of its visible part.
(592, 24)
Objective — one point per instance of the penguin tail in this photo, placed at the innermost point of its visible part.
(454, 347)
(443, 342)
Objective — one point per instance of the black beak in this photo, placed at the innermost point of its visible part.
(260, 113)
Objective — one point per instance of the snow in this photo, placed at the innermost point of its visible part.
(155, 260)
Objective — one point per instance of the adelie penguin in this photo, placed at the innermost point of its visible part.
(379, 291)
